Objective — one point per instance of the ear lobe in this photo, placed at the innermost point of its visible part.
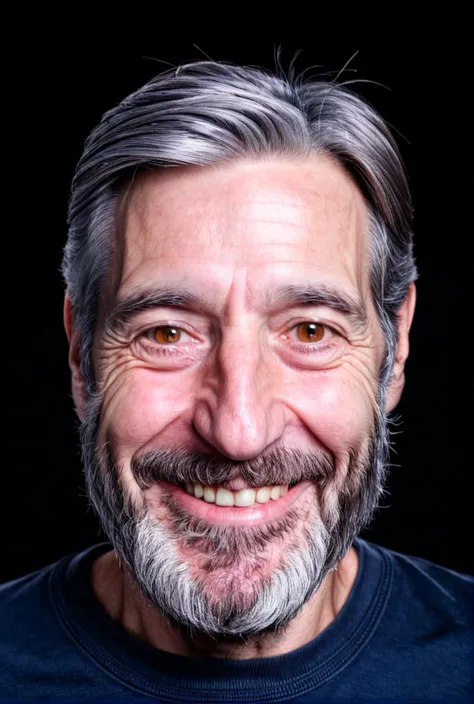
(77, 378)
(394, 391)
(405, 318)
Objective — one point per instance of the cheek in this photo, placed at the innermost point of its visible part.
(337, 410)
(139, 406)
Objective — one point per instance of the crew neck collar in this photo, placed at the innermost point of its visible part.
(145, 669)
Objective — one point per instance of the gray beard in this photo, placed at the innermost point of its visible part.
(255, 603)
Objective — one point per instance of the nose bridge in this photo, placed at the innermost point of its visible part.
(241, 379)
(242, 414)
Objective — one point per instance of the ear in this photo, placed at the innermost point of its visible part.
(405, 317)
(78, 383)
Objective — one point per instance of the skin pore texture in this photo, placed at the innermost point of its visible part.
(238, 376)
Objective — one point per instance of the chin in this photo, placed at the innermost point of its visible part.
(228, 582)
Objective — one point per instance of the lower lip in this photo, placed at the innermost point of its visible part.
(236, 516)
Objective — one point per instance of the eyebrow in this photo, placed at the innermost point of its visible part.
(128, 307)
(321, 295)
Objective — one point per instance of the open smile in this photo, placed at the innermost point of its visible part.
(201, 503)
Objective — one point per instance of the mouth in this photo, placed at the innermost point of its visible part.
(245, 507)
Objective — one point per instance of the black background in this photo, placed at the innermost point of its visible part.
(61, 93)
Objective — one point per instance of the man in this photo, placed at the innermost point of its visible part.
(238, 329)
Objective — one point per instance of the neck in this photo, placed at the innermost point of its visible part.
(119, 594)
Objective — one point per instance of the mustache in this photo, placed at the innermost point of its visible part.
(280, 466)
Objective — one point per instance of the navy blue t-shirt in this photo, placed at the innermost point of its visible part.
(405, 634)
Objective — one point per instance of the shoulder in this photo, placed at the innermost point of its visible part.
(426, 599)
(24, 597)
(28, 628)
(28, 621)
(35, 644)
(421, 646)
(434, 583)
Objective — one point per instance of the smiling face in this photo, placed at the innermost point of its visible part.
(242, 373)
(239, 350)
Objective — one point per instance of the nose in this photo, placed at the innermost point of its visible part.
(237, 410)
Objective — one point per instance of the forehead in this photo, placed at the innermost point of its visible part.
(269, 217)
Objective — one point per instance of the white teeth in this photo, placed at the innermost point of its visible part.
(209, 494)
(244, 497)
(275, 493)
(263, 495)
(223, 497)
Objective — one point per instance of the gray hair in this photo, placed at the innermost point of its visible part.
(206, 113)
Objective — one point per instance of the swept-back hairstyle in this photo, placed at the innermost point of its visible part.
(205, 113)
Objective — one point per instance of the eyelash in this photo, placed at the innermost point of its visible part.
(309, 348)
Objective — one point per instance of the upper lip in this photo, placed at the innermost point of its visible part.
(236, 484)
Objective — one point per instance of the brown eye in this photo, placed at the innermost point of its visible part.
(310, 332)
(167, 334)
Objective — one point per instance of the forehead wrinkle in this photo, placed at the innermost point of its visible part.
(328, 213)
(304, 201)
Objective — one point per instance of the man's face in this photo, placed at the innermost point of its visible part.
(241, 350)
